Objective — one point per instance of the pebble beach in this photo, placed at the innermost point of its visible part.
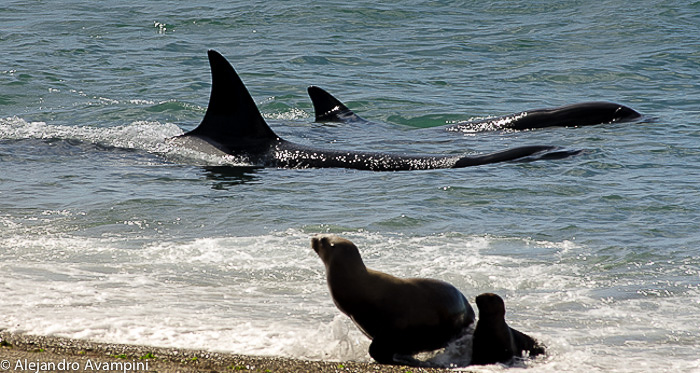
(29, 353)
(112, 233)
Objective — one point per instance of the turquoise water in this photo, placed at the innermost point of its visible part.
(110, 233)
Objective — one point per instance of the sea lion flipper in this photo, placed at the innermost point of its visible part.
(525, 343)
(381, 351)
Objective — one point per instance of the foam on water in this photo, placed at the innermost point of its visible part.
(150, 137)
(267, 295)
(111, 232)
(141, 135)
(214, 293)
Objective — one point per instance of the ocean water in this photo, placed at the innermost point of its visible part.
(109, 232)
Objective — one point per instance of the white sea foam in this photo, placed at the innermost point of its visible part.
(152, 137)
(289, 115)
(138, 135)
(266, 295)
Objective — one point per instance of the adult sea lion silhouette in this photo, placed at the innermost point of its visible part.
(233, 125)
(494, 341)
(327, 108)
(401, 316)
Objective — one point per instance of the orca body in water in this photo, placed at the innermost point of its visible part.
(233, 125)
(329, 109)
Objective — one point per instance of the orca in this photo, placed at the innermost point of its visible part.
(329, 109)
(233, 125)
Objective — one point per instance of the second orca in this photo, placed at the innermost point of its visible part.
(327, 108)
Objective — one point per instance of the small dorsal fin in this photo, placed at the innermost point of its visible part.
(329, 109)
(232, 118)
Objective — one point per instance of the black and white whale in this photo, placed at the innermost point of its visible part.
(233, 125)
(329, 109)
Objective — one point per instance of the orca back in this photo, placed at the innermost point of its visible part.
(232, 118)
(329, 109)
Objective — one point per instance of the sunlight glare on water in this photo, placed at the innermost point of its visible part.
(110, 230)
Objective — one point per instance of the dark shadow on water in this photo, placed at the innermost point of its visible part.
(225, 177)
(558, 153)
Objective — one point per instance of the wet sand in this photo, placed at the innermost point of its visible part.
(28, 353)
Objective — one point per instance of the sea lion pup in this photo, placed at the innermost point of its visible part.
(401, 316)
(494, 341)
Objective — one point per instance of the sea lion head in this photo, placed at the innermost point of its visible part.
(490, 305)
(333, 249)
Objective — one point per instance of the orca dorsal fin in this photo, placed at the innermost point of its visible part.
(329, 109)
(232, 118)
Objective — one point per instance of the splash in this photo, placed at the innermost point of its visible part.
(145, 136)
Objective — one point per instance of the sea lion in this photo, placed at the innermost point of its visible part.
(401, 316)
(494, 341)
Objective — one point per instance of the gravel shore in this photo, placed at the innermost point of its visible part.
(28, 353)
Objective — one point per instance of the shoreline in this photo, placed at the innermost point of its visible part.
(31, 353)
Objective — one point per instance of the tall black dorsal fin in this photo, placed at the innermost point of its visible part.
(232, 118)
(329, 109)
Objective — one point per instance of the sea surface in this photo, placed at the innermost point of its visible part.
(109, 232)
